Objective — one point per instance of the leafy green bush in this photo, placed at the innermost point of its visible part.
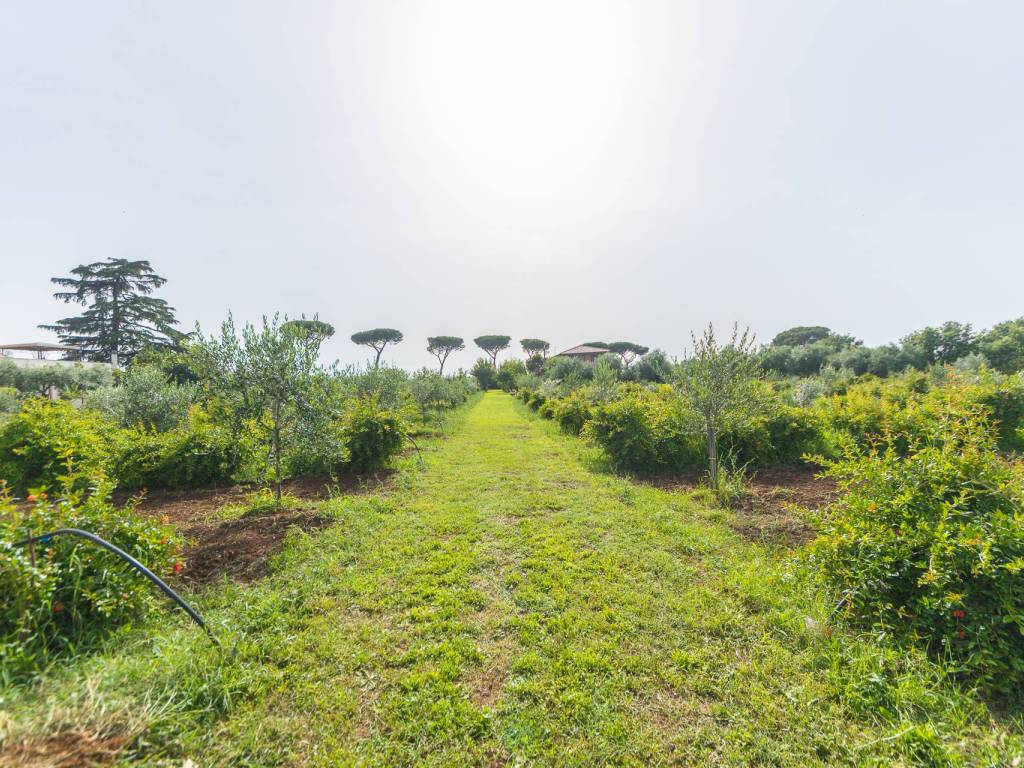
(144, 397)
(41, 441)
(573, 411)
(371, 434)
(70, 380)
(1004, 402)
(387, 384)
(568, 370)
(484, 373)
(782, 436)
(58, 595)
(508, 374)
(432, 392)
(197, 453)
(644, 432)
(927, 543)
(9, 401)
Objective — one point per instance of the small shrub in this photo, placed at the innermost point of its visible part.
(8, 400)
(198, 453)
(371, 435)
(144, 397)
(484, 373)
(573, 411)
(644, 432)
(927, 544)
(783, 436)
(38, 443)
(508, 374)
(59, 595)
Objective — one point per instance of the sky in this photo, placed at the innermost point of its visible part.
(573, 171)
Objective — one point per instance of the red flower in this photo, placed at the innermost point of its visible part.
(31, 497)
(58, 607)
(959, 613)
(178, 566)
(962, 634)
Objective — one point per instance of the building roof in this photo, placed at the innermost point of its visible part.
(583, 349)
(40, 346)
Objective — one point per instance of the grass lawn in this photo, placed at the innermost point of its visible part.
(505, 602)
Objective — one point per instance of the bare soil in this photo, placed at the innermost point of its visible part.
(67, 749)
(240, 548)
(771, 513)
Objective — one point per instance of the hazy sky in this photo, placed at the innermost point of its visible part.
(572, 171)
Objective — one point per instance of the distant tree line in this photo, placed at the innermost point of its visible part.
(805, 350)
(122, 319)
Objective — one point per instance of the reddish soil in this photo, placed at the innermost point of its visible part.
(769, 514)
(240, 548)
(68, 749)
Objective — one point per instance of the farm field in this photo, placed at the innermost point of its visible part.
(503, 599)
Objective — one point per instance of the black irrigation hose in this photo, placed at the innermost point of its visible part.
(44, 538)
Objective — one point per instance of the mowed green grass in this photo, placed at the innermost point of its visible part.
(505, 602)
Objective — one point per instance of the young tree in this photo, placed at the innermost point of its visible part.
(628, 351)
(492, 345)
(1003, 345)
(718, 383)
(442, 346)
(535, 364)
(508, 374)
(485, 374)
(533, 347)
(267, 378)
(944, 344)
(122, 317)
(377, 339)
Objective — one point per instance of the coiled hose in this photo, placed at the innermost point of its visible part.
(160, 583)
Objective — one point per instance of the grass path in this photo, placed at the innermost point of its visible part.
(507, 605)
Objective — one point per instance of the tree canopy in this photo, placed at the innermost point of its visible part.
(801, 335)
(377, 339)
(717, 382)
(442, 346)
(1003, 345)
(944, 344)
(627, 350)
(122, 317)
(310, 328)
(492, 345)
(535, 347)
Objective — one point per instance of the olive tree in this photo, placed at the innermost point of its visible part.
(492, 345)
(267, 378)
(442, 346)
(718, 382)
(377, 339)
(628, 351)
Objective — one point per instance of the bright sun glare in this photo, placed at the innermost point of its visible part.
(522, 105)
